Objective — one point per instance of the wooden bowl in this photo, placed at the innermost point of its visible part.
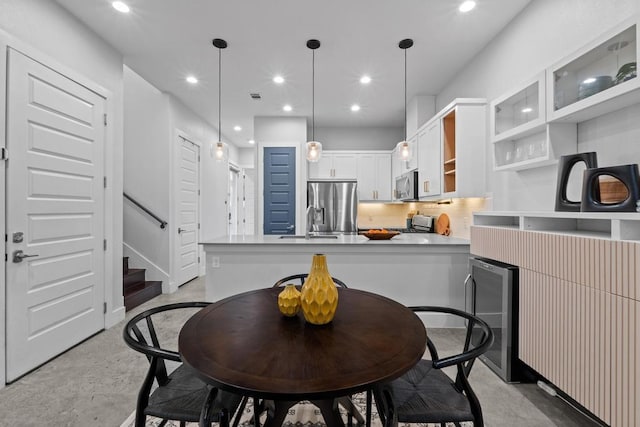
(380, 236)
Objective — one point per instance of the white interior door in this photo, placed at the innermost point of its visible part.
(55, 198)
(234, 201)
(187, 243)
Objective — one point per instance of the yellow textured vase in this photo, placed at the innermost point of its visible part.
(319, 294)
(289, 300)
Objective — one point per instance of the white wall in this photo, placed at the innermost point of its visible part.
(154, 122)
(281, 132)
(147, 155)
(544, 33)
(419, 110)
(358, 138)
(214, 185)
(53, 36)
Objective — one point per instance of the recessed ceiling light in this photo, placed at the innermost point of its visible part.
(192, 79)
(120, 6)
(527, 109)
(355, 107)
(365, 80)
(278, 79)
(251, 141)
(467, 6)
(237, 128)
(287, 107)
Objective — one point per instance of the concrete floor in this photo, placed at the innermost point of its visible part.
(96, 383)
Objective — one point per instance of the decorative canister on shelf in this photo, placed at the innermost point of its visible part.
(289, 300)
(319, 293)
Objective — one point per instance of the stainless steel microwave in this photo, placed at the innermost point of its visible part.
(407, 186)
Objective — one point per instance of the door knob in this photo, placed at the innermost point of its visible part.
(180, 230)
(18, 256)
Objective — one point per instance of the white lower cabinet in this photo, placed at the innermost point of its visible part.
(374, 176)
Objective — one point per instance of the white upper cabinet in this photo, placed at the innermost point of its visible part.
(451, 151)
(520, 112)
(520, 135)
(334, 165)
(374, 176)
(429, 159)
(464, 135)
(598, 79)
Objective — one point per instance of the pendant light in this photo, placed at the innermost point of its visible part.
(403, 147)
(314, 148)
(220, 147)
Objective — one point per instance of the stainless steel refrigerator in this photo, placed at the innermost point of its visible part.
(332, 206)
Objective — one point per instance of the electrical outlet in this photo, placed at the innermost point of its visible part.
(466, 222)
(215, 262)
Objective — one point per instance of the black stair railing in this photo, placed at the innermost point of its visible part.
(162, 222)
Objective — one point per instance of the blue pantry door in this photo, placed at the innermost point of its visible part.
(279, 190)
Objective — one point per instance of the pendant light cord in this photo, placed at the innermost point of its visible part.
(313, 95)
(405, 94)
(219, 94)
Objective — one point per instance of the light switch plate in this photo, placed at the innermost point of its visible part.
(215, 262)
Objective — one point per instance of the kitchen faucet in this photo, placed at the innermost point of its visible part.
(307, 234)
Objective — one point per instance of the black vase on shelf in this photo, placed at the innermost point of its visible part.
(591, 198)
(565, 165)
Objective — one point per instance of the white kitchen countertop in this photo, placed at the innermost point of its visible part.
(403, 239)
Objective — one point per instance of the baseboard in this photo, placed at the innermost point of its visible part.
(114, 317)
(154, 272)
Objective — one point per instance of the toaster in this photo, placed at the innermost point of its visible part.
(423, 223)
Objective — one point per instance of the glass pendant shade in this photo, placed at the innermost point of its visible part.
(314, 148)
(404, 151)
(221, 151)
(314, 151)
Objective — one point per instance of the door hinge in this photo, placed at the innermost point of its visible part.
(4, 154)
(198, 260)
(105, 119)
(198, 192)
(198, 226)
(105, 182)
(6, 258)
(104, 245)
(104, 308)
(198, 157)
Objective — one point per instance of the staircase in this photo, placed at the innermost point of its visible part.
(136, 289)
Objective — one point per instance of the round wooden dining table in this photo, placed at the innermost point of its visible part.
(243, 344)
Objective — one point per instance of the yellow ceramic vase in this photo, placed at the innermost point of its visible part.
(289, 300)
(319, 293)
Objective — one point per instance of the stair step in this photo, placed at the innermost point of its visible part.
(125, 265)
(141, 292)
(135, 275)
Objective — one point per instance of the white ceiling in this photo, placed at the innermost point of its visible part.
(165, 40)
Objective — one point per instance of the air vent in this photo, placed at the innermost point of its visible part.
(255, 96)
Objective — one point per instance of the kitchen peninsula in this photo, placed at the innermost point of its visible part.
(413, 269)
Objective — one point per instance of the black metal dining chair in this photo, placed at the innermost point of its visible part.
(302, 277)
(180, 395)
(426, 394)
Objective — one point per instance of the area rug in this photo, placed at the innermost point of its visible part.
(304, 414)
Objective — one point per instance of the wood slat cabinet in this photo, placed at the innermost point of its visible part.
(579, 314)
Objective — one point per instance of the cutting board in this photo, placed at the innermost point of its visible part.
(443, 225)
